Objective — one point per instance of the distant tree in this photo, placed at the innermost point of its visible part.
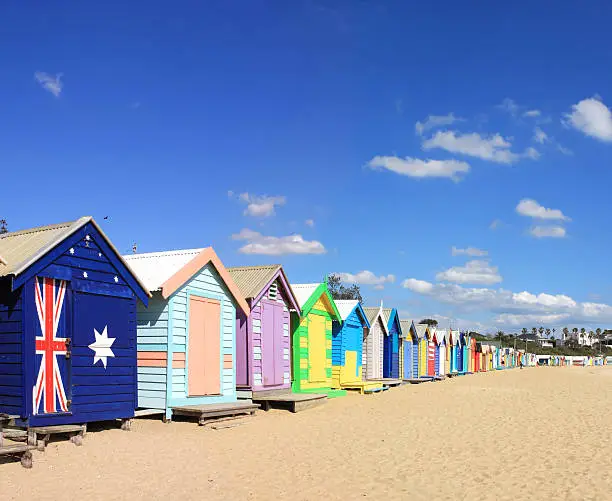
(432, 322)
(534, 331)
(541, 330)
(3, 226)
(548, 333)
(554, 330)
(565, 333)
(340, 291)
(524, 333)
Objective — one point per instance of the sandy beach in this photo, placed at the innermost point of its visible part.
(539, 433)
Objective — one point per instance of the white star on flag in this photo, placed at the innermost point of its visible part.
(102, 346)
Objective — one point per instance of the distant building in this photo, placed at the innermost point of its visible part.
(582, 338)
(543, 341)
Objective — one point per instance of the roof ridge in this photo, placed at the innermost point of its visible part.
(175, 252)
(38, 229)
(254, 267)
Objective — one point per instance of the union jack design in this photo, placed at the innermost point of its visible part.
(50, 294)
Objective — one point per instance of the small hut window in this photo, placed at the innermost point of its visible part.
(273, 292)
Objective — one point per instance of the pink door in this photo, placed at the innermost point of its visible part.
(204, 351)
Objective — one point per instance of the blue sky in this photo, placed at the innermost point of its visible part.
(331, 137)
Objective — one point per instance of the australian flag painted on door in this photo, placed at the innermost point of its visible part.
(68, 349)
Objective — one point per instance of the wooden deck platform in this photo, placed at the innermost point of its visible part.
(213, 412)
(76, 432)
(295, 402)
(387, 381)
(364, 386)
(417, 380)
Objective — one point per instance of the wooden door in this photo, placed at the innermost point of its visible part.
(52, 392)
(317, 352)
(204, 351)
(272, 342)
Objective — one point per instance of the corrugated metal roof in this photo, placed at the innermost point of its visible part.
(421, 329)
(442, 334)
(405, 325)
(20, 249)
(155, 268)
(303, 292)
(252, 279)
(345, 307)
(371, 312)
(387, 314)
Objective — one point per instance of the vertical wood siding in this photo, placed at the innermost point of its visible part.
(284, 343)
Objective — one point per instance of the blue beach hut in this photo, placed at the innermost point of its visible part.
(67, 326)
(347, 348)
(410, 347)
(391, 344)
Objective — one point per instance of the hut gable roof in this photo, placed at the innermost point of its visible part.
(168, 271)
(375, 312)
(254, 281)
(390, 315)
(405, 327)
(421, 330)
(20, 250)
(346, 308)
(442, 336)
(308, 294)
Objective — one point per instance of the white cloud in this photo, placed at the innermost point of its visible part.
(414, 167)
(592, 117)
(494, 148)
(496, 223)
(473, 272)
(513, 309)
(532, 113)
(259, 205)
(420, 286)
(531, 208)
(532, 153)
(366, 277)
(53, 84)
(564, 150)
(509, 106)
(469, 251)
(513, 320)
(539, 136)
(277, 246)
(548, 231)
(433, 121)
(309, 222)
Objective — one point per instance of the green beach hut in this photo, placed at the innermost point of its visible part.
(311, 339)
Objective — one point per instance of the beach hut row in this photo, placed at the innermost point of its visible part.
(88, 334)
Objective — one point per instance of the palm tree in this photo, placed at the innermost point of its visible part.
(524, 332)
(547, 332)
(565, 333)
(541, 330)
(599, 337)
(534, 331)
(554, 330)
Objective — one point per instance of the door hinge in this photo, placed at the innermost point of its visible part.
(68, 349)
(68, 403)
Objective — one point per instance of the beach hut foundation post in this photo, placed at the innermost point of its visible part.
(126, 424)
